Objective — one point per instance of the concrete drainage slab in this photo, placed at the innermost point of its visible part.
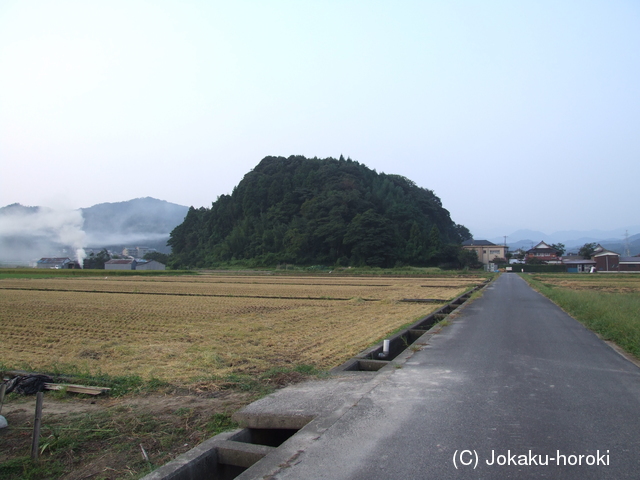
(305, 410)
(277, 428)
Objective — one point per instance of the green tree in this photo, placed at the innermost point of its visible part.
(586, 251)
(157, 256)
(96, 261)
(416, 248)
(369, 236)
(468, 259)
(559, 247)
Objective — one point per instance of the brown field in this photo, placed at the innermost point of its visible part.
(272, 287)
(183, 330)
(601, 282)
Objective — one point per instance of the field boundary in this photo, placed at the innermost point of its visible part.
(185, 294)
(375, 358)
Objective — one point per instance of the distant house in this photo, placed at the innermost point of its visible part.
(577, 264)
(137, 252)
(609, 261)
(487, 251)
(545, 252)
(121, 264)
(517, 256)
(629, 264)
(57, 263)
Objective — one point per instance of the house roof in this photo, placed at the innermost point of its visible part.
(542, 247)
(473, 243)
(604, 253)
(628, 260)
(120, 261)
(599, 248)
(581, 261)
(54, 260)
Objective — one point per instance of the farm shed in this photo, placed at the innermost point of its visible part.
(121, 264)
(577, 264)
(149, 265)
(57, 263)
(606, 261)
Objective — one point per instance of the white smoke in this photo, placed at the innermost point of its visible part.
(31, 233)
(96, 239)
(80, 256)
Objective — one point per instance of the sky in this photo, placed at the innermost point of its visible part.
(518, 115)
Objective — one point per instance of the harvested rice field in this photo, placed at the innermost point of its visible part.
(339, 288)
(186, 329)
(600, 282)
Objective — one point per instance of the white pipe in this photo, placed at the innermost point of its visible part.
(385, 349)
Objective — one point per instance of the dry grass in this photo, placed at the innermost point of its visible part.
(609, 283)
(609, 304)
(158, 328)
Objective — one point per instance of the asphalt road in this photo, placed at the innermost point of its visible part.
(512, 380)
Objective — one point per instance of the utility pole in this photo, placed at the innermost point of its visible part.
(627, 252)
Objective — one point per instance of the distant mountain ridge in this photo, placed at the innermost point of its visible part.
(573, 239)
(138, 222)
(28, 233)
(138, 216)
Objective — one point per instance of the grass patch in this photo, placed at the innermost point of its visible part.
(220, 422)
(70, 443)
(23, 468)
(615, 316)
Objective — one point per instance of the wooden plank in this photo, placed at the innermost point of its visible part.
(3, 387)
(35, 440)
(76, 388)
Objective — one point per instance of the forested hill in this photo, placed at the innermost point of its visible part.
(319, 211)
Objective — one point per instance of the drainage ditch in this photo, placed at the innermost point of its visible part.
(224, 456)
(246, 447)
(375, 358)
